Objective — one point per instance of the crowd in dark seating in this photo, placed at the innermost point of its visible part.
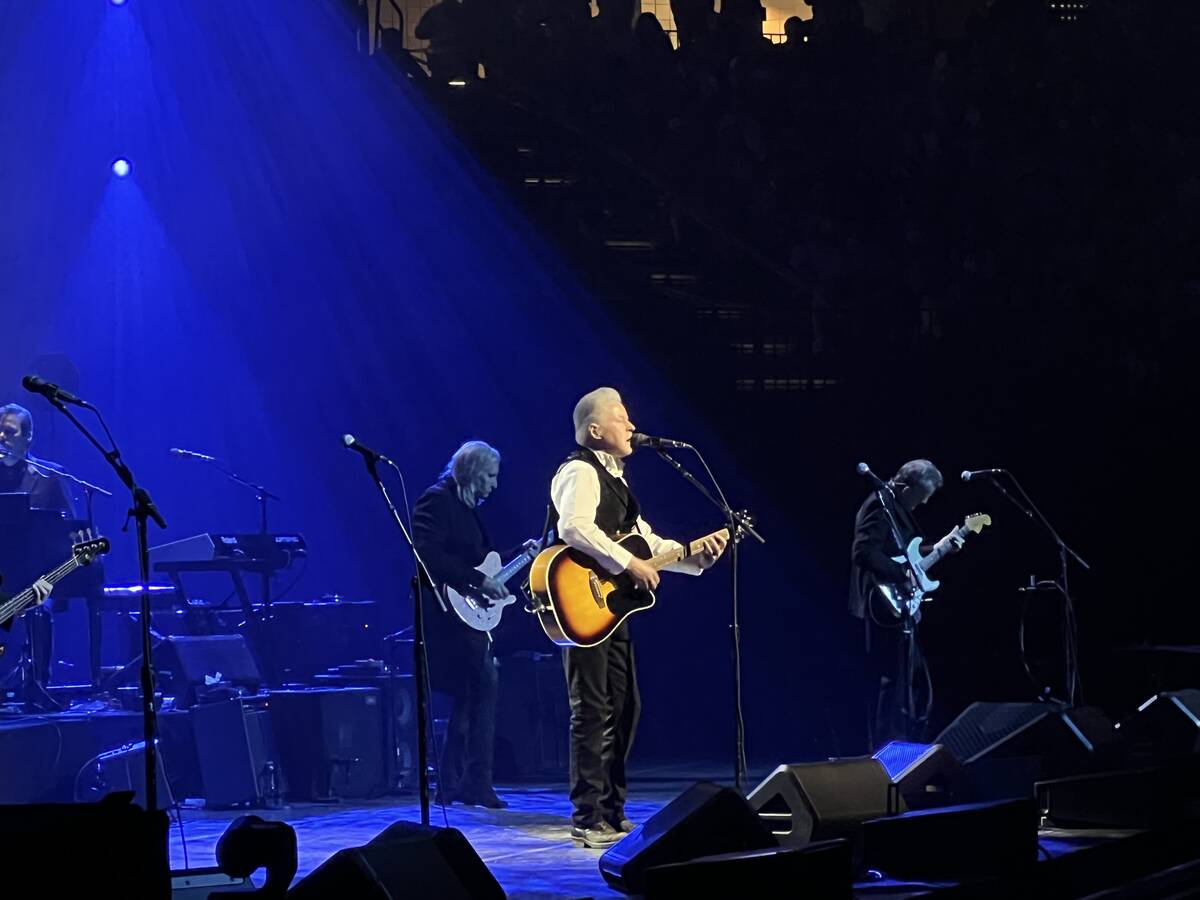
(1039, 166)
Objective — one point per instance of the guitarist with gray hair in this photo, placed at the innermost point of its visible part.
(884, 526)
(452, 541)
(592, 504)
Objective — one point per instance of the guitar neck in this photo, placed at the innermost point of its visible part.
(942, 547)
(27, 597)
(662, 560)
(514, 567)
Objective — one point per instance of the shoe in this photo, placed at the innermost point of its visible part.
(623, 825)
(487, 799)
(598, 836)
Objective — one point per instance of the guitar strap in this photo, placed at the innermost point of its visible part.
(895, 528)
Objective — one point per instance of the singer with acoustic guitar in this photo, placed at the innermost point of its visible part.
(594, 505)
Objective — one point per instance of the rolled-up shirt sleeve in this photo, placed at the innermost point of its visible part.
(687, 565)
(575, 492)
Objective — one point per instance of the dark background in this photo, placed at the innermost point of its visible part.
(304, 250)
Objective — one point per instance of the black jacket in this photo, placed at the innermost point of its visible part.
(873, 548)
(450, 537)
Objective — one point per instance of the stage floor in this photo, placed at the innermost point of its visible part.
(527, 846)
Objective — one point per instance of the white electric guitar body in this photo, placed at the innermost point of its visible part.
(479, 612)
(898, 596)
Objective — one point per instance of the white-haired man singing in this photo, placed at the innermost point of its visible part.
(593, 503)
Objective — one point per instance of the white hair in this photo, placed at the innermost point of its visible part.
(466, 467)
(588, 409)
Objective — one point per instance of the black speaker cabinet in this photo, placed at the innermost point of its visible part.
(1166, 724)
(185, 665)
(976, 840)
(921, 774)
(405, 860)
(1066, 739)
(1153, 797)
(821, 870)
(106, 849)
(806, 802)
(237, 755)
(330, 742)
(703, 820)
(397, 710)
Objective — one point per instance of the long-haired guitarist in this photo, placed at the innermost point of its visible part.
(593, 503)
(452, 541)
(884, 526)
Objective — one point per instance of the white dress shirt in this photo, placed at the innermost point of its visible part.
(575, 492)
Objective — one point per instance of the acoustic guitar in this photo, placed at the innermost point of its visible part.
(580, 603)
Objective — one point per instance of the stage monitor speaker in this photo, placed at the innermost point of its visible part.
(331, 742)
(1167, 724)
(187, 666)
(106, 849)
(1065, 739)
(806, 802)
(200, 884)
(974, 840)
(923, 774)
(820, 870)
(405, 860)
(704, 820)
(237, 755)
(1154, 797)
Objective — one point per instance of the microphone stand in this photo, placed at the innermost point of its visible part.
(739, 523)
(908, 622)
(141, 510)
(420, 673)
(1065, 554)
(263, 496)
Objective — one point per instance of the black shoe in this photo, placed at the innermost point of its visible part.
(487, 799)
(598, 836)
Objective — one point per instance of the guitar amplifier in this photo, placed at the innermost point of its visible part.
(397, 709)
(331, 742)
(310, 637)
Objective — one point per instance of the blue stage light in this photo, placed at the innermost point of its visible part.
(117, 2)
(121, 168)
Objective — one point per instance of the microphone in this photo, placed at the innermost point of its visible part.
(51, 392)
(191, 454)
(863, 469)
(967, 476)
(644, 440)
(368, 454)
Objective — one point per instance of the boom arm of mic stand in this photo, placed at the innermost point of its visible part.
(737, 517)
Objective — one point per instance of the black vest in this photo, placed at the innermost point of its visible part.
(618, 510)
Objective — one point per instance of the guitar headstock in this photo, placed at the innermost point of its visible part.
(976, 522)
(88, 546)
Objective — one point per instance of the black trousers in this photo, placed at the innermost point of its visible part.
(462, 665)
(602, 686)
(893, 710)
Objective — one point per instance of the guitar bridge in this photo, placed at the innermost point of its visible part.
(594, 584)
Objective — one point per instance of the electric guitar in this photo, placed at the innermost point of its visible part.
(580, 603)
(82, 554)
(481, 613)
(898, 596)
